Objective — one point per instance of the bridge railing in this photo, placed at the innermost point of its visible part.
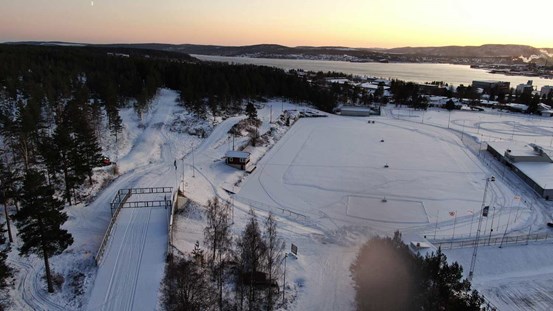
(120, 201)
(120, 198)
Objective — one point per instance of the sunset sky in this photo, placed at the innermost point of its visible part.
(353, 23)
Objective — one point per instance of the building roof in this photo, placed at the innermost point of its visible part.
(355, 109)
(371, 86)
(540, 172)
(237, 154)
(488, 81)
(522, 107)
(516, 150)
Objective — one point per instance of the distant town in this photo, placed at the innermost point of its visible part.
(367, 94)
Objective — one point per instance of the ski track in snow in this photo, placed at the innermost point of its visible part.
(31, 286)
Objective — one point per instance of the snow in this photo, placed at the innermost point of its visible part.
(514, 277)
(325, 180)
(129, 275)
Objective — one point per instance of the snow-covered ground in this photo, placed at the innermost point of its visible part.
(326, 181)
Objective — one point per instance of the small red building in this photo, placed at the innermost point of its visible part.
(238, 159)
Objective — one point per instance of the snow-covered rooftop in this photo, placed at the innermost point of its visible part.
(539, 172)
(237, 154)
(354, 108)
(372, 86)
(515, 149)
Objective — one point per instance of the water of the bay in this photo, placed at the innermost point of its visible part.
(416, 72)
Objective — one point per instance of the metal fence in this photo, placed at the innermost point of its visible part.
(270, 208)
(116, 204)
(490, 241)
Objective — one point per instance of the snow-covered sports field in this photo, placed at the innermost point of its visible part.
(327, 182)
(333, 171)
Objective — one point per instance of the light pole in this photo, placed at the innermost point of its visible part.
(193, 166)
(449, 119)
(471, 222)
(284, 281)
(475, 251)
(506, 227)
(183, 174)
(436, 228)
(491, 227)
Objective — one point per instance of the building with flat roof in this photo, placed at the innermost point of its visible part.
(489, 85)
(530, 162)
(355, 111)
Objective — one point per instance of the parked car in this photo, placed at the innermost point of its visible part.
(104, 161)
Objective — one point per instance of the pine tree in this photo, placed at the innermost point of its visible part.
(115, 123)
(39, 222)
(7, 183)
(86, 148)
(62, 156)
(251, 111)
(198, 254)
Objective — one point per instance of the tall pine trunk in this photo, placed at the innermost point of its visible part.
(7, 218)
(47, 268)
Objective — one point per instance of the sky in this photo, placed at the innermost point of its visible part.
(352, 23)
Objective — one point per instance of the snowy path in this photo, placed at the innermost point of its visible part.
(130, 273)
(31, 286)
(135, 253)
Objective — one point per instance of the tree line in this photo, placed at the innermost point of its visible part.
(232, 272)
(56, 101)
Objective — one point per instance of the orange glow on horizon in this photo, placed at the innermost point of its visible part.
(356, 23)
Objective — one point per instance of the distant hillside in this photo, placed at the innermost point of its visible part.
(487, 50)
(488, 53)
(401, 54)
(268, 49)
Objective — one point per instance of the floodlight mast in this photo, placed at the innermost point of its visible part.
(476, 241)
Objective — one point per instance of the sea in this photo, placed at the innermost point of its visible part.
(415, 72)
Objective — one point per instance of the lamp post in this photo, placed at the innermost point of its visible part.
(183, 174)
(475, 251)
(284, 281)
(471, 222)
(193, 166)
(491, 227)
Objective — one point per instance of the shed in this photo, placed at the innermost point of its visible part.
(238, 159)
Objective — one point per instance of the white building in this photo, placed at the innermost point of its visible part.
(522, 88)
(545, 90)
